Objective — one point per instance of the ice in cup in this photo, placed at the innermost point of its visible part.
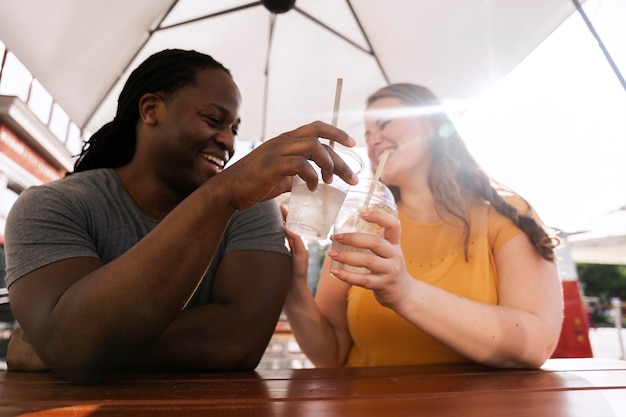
(350, 221)
(312, 213)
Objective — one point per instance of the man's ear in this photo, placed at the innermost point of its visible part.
(149, 107)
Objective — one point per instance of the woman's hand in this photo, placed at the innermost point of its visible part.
(299, 254)
(389, 278)
(323, 335)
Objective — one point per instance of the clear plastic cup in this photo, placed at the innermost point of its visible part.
(312, 213)
(350, 221)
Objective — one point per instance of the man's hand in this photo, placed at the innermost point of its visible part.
(20, 354)
(268, 170)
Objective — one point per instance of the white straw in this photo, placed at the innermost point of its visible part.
(337, 101)
(336, 106)
(377, 175)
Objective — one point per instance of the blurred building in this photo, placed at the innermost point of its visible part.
(37, 138)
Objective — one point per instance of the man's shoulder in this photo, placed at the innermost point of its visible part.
(72, 184)
(86, 178)
(75, 190)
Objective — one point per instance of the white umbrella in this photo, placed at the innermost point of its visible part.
(81, 50)
(604, 241)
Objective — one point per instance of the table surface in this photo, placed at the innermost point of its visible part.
(563, 387)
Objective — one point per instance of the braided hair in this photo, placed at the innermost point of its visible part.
(454, 176)
(165, 72)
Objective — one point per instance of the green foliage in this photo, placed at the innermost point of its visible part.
(604, 281)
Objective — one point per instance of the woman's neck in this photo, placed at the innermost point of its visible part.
(418, 204)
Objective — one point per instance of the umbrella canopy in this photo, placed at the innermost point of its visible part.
(604, 242)
(285, 64)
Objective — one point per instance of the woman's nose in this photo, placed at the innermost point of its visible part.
(374, 139)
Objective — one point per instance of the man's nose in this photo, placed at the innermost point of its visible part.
(226, 138)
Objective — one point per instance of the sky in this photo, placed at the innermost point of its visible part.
(554, 129)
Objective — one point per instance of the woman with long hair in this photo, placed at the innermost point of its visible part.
(466, 272)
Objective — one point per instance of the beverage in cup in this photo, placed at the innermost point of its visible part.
(312, 213)
(367, 195)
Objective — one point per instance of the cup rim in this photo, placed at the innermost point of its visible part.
(350, 151)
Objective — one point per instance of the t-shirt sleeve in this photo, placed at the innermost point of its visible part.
(43, 227)
(257, 228)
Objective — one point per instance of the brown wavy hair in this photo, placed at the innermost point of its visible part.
(455, 178)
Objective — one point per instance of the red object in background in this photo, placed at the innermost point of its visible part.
(17, 149)
(574, 340)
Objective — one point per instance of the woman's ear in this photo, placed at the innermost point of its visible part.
(149, 107)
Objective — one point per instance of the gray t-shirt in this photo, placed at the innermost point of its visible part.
(90, 214)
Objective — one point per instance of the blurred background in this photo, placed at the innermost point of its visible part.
(534, 86)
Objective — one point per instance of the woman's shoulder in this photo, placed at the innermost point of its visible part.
(515, 200)
(521, 205)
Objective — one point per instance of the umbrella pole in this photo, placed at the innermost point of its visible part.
(267, 76)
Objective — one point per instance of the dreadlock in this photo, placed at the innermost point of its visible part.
(165, 72)
(454, 176)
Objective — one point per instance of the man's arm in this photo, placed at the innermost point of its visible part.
(232, 333)
(20, 353)
(85, 319)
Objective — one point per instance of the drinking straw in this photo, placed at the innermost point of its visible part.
(377, 174)
(337, 101)
(336, 106)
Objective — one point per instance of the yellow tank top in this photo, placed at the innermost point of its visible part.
(434, 254)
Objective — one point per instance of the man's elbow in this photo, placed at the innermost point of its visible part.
(240, 358)
(83, 369)
(82, 375)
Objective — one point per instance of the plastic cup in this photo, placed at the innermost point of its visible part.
(312, 213)
(350, 221)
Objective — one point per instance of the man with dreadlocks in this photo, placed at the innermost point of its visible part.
(149, 255)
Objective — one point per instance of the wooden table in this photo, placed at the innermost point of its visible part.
(564, 387)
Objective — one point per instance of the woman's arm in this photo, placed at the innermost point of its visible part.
(521, 331)
(320, 330)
